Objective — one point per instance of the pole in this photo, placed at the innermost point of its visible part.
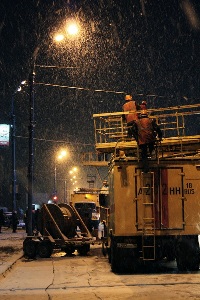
(13, 155)
(31, 150)
(65, 185)
(31, 139)
(55, 178)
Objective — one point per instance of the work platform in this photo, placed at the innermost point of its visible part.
(178, 140)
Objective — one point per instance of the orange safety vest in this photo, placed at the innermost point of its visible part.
(130, 106)
(146, 132)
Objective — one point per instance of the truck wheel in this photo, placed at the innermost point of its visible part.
(109, 254)
(114, 258)
(29, 248)
(69, 250)
(193, 262)
(45, 249)
(187, 254)
(104, 249)
(122, 260)
(181, 264)
(83, 250)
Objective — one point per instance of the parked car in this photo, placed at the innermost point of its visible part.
(21, 224)
(8, 219)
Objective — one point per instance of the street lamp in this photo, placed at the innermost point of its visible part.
(72, 28)
(71, 31)
(13, 142)
(31, 138)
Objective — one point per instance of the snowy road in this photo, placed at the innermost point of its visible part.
(78, 277)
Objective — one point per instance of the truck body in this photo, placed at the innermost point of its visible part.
(92, 206)
(85, 195)
(154, 214)
(86, 203)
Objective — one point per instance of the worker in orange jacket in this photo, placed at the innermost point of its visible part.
(145, 131)
(130, 106)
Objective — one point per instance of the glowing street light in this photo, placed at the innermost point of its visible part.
(62, 154)
(74, 169)
(59, 37)
(71, 31)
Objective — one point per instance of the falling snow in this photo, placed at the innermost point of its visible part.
(149, 49)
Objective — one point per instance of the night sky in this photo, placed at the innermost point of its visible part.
(150, 49)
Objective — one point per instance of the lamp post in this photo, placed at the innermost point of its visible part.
(31, 139)
(55, 178)
(13, 154)
(65, 189)
(13, 142)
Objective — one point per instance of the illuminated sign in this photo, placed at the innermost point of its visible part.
(4, 134)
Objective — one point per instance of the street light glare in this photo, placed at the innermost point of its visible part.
(74, 169)
(72, 29)
(62, 154)
(59, 37)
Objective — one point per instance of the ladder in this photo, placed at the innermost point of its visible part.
(148, 227)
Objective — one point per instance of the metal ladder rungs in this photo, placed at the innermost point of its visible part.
(146, 259)
(148, 228)
(149, 234)
(147, 187)
(148, 223)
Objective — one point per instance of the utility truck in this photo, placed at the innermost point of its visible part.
(153, 215)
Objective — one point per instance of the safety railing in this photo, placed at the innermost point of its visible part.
(110, 127)
(180, 126)
(95, 158)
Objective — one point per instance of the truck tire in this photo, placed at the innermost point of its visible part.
(45, 249)
(83, 250)
(187, 254)
(194, 263)
(115, 257)
(181, 264)
(69, 250)
(104, 249)
(123, 259)
(114, 260)
(30, 248)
